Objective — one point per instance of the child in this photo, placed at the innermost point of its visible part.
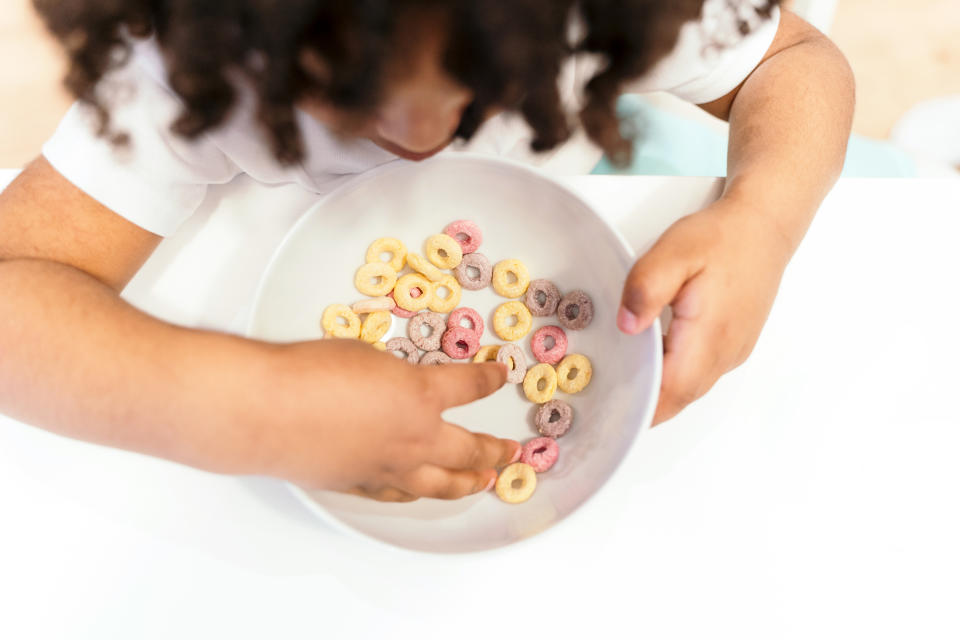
(176, 95)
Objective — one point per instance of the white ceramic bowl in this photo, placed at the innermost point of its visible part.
(522, 215)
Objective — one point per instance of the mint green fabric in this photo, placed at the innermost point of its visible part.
(667, 144)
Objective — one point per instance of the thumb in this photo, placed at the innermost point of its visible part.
(456, 384)
(653, 282)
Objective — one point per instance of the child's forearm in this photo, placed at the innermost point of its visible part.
(789, 126)
(78, 360)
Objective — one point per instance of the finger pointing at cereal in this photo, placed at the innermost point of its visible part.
(457, 384)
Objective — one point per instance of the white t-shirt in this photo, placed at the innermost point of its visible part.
(159, 180)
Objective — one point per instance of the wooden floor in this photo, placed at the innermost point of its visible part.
(902, 51)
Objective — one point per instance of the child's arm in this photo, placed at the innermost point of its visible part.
(78, 360)
(720, 267)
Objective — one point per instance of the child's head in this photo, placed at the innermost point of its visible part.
(408, 74)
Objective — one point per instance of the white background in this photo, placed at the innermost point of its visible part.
(812, 493)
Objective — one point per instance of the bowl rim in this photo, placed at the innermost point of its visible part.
(395, 165)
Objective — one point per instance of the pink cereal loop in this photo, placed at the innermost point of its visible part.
(457, 315)
(554, 354)
(540, 453)
(473, 239)
(399, 311)
(460, 343)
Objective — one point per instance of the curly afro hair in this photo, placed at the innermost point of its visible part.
(507, 52)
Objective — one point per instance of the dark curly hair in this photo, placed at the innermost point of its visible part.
(508, 52)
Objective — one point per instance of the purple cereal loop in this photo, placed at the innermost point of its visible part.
(479, 262)
(554, 354)
(575, 311)
(512, 352)
(551, 298)
(540, 453)
(474, 237)
(434, 321)
(406, 346)
(460, 343)
(435, 357)
(470, 314)
(552, 427)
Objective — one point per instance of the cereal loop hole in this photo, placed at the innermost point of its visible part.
(473, 273)
(541, 297)
(541, 384)
(462, 237)
(549, 343)
(442, 253)
(512, 277)
(445, 295)
(539, 451)
(513, 320)
(416, 292)
(517, 483)
(386, 256)
(462, 345)
(573, 311)
(554, 416)
(573, 373)
(342, 321)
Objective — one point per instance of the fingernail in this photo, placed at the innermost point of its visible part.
(516, 456)
(490, 484)
(627, 321)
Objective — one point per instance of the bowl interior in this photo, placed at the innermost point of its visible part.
(522, 215)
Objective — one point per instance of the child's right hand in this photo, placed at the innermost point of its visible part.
(340, 415)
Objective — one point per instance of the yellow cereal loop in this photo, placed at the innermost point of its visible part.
(408, 282)
(541, 373)
(380, 346)
(375, 279)
(350, 328)
(486, 353)
(502, 316)
(449, 303)
(510, 278)
(398, 252)
(375, 326)
(420, 264)
(516, 483)
(444, 251)
(573, 373)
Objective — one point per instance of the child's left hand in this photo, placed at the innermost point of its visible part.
(719, 269)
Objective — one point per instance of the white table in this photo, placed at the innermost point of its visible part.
(812, 493)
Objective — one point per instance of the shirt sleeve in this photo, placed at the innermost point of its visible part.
(156, 181)
(711, 57)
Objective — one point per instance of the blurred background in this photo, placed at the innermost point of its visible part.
(903, 52)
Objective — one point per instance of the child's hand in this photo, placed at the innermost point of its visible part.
(719, 269)
(346, 417)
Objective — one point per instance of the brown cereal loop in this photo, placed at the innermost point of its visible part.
(575, 310)
(554, 418)
(448, 304)
(443, 251)
(333, 329)
(501, 278)
(542, 298)
(437, 325)
(435, 357)
(512, 356)
(465, 277)
(398, 252)
(405, 284)
(375, 279)
(405, 346)
(574, 373)
(507, 310)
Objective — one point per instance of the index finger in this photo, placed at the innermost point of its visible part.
(457, 448)
(457, 384)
